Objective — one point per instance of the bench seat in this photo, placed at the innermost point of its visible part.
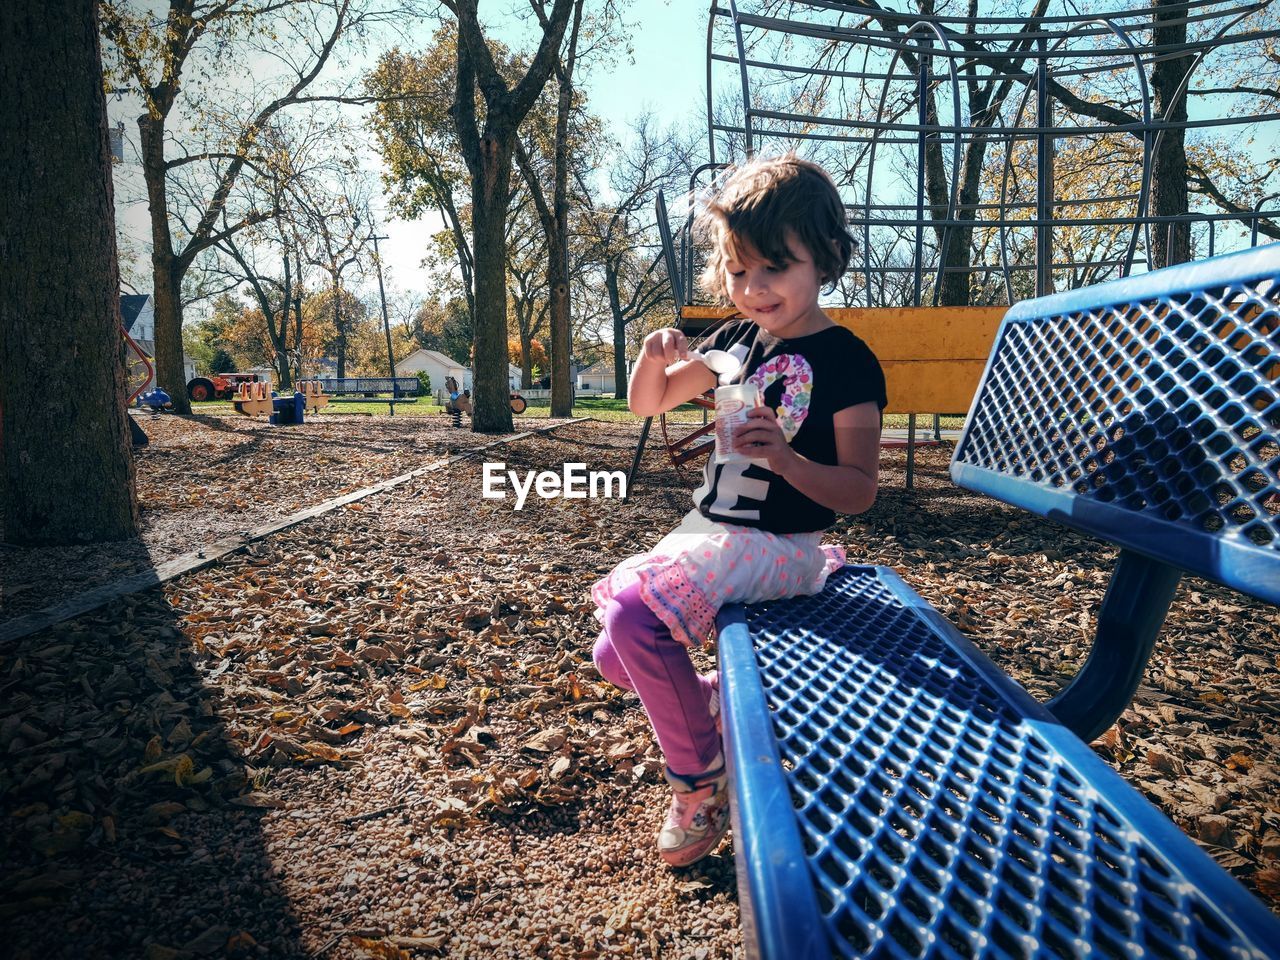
(896, 794)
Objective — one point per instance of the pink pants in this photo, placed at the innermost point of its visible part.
(637, 652)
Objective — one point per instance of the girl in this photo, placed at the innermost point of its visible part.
(777, 235)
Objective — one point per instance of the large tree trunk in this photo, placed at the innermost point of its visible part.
(68, 476)
(489, 196)
(619, 332)
(1170, 243)
(166, 268)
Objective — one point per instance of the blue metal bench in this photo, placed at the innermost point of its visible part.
(396, 386)
(895, 794)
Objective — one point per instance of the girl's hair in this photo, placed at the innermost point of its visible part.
(762, 199)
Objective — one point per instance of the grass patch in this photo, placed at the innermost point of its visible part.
(608, 409)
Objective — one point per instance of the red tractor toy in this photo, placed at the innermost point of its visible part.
(219, 386)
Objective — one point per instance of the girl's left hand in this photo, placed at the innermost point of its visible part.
(762, 437)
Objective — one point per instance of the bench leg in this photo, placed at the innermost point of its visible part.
(635, 461)
(1132, 613)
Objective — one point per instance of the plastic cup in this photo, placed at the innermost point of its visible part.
(733, 403)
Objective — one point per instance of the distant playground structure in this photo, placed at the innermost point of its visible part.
(986, 159)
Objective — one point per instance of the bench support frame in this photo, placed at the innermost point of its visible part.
(1132, 613)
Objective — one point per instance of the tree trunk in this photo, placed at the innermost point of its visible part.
(66, 474)
(558, 240)
(526, 350)
(619, 332)
(1170, 243)
(489, 197)
(166, 268)
(338, 329)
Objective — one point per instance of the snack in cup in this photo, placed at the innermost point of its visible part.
(733, 403)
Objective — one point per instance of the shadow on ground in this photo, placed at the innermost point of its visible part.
(118, 796)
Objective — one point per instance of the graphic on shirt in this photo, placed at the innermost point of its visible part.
(797, 375)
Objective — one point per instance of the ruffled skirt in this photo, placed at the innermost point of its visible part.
(701, 565)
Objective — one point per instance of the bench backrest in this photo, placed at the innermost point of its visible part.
(405, 386)
(1146, 412)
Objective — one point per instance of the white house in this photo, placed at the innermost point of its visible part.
(597, 378)
(437, 367)
(138, 315)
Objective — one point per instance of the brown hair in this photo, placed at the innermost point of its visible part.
(761, 200)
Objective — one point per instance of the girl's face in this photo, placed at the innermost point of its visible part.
(780, 298)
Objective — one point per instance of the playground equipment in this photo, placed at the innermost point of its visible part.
(459, 402)
(256, 398)
(219, 386)
(157, 400)
(313, 394)
(139, 372)
(252, 399)
(985, 159)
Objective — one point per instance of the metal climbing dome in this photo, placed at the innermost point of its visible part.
(993, 152)
(989, 152)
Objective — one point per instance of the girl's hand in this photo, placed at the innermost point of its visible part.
(667, 345)
(762, 438)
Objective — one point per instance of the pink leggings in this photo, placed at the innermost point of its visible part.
(637, 652)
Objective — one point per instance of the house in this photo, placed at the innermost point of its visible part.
(597, 378)
(264, 374)
(437, 366)
(138, 316)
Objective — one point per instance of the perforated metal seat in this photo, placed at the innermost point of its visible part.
(895, 794)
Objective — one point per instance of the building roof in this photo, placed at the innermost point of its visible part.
(438, 357)
(131, 305)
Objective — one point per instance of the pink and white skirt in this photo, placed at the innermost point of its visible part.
(701, 565)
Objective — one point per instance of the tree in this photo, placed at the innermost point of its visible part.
(555, 216)
(267, 257)
(67, 472)
(444, 327)
(338, 223)
(530, 357)
(154, 56)
(419, 146)
(622, 232)
(527, 283)
(488, 151)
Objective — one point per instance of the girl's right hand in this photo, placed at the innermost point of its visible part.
(667, 345)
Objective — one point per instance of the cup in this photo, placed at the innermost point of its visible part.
(733, 403)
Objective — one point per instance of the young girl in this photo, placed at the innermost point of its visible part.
(777, 235)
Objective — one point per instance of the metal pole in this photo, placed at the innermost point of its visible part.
(386, 324)
(1044, 179)
(922, 94)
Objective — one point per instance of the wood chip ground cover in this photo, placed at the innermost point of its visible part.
(379, 734)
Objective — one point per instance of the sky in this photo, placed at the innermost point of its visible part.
(666, 75)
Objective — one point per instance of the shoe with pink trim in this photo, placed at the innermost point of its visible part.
(698, 818)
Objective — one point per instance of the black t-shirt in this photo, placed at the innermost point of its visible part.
(806, 380)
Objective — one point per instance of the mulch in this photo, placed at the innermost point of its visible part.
(379, 733)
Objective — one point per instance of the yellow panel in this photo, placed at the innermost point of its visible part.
(924, 333)
(933, 357)
(931, 386)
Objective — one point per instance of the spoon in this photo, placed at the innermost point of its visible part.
(722, 363)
